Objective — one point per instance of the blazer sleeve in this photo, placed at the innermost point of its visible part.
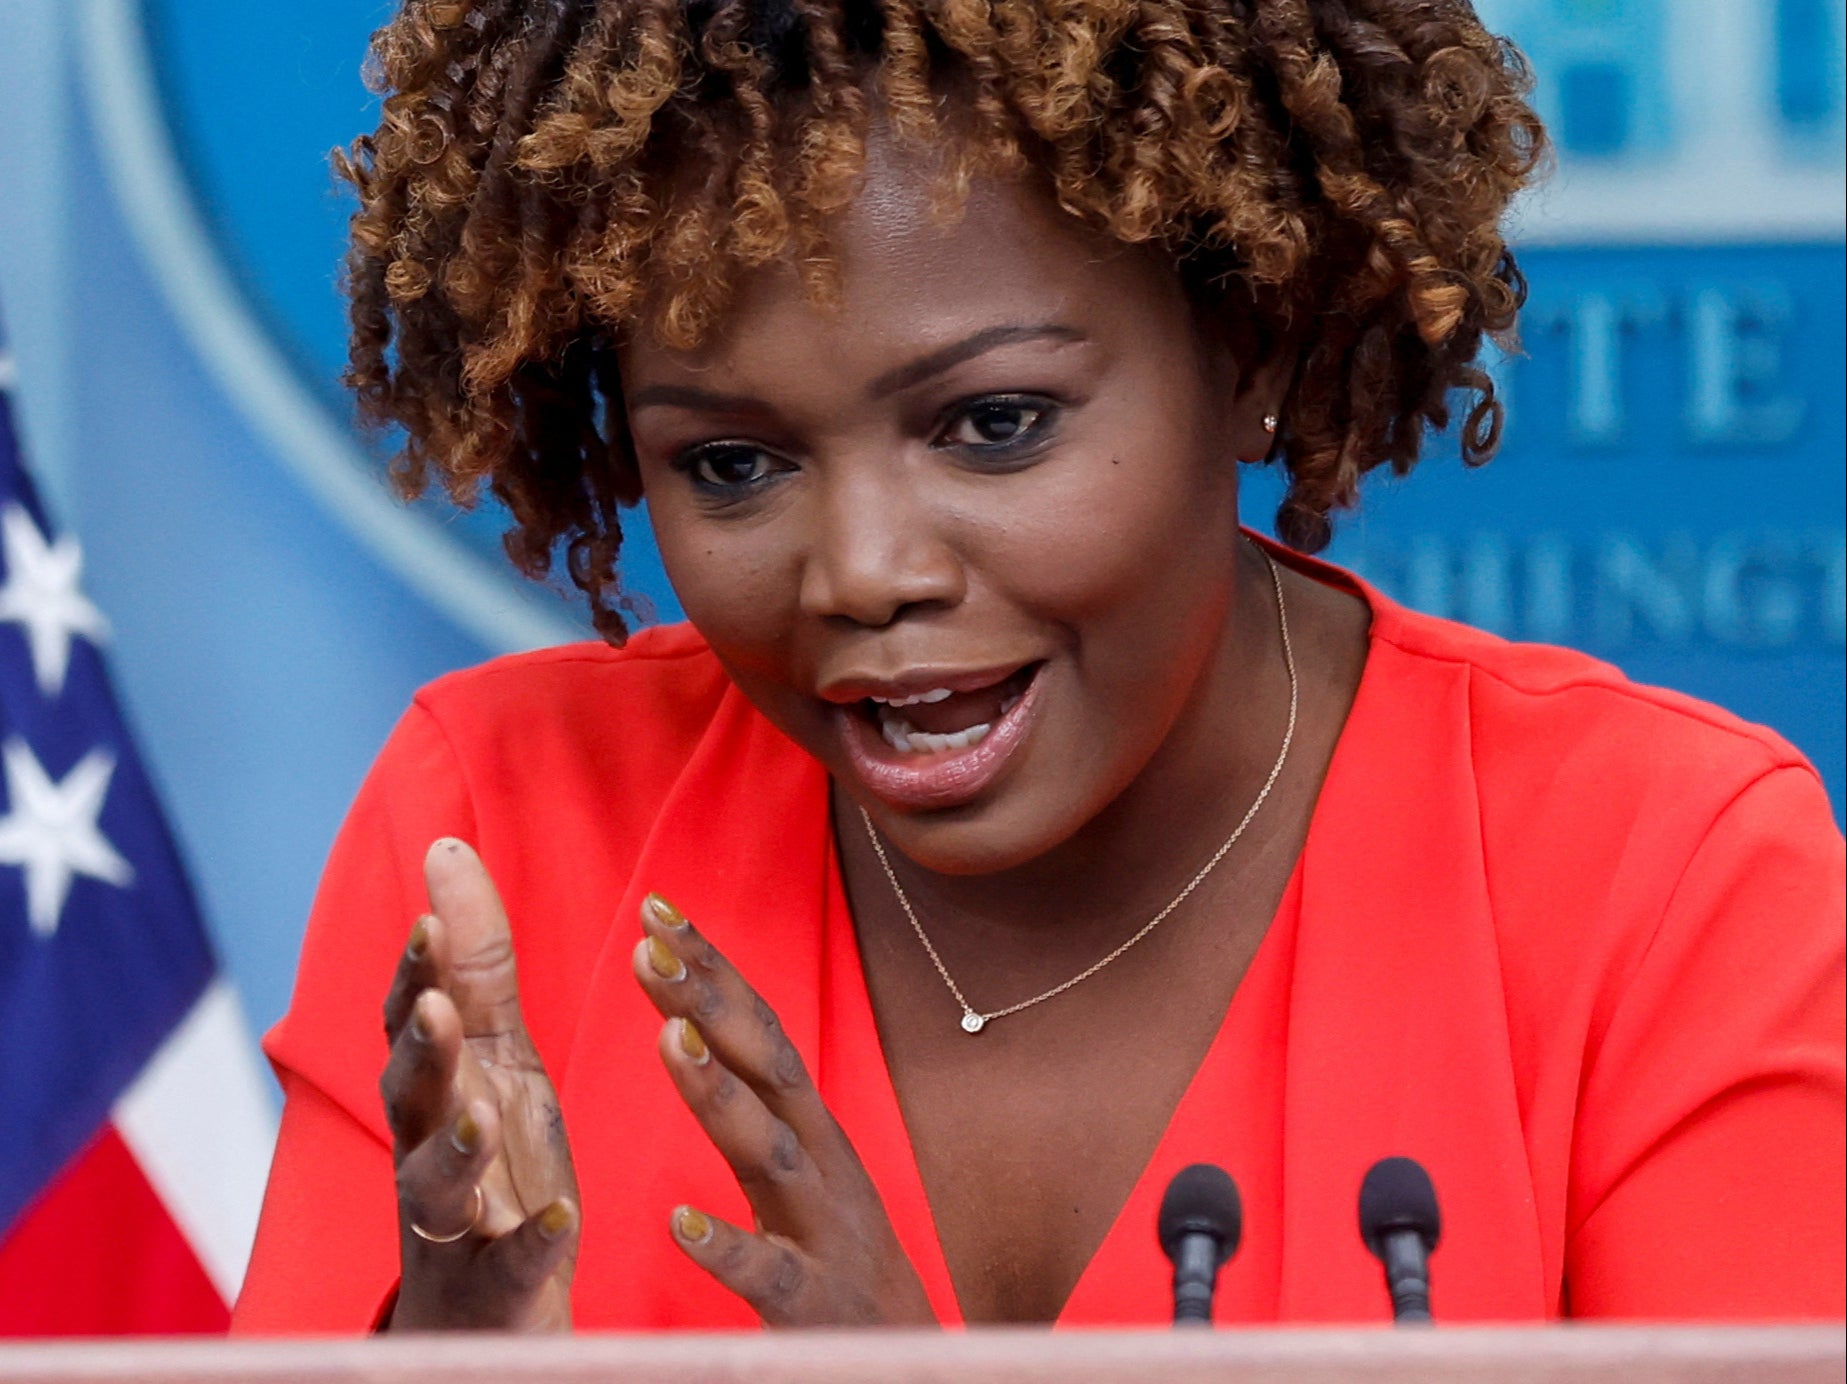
(326, 1251)
(1706, 1170)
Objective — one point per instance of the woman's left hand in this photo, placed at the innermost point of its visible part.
(823, 1252)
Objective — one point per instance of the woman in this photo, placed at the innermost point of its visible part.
(1041, 830)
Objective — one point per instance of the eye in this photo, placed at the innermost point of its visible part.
(729, 468)
(999, 425)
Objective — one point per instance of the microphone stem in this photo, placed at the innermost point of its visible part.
(1407, 1274)
(1196, 1270)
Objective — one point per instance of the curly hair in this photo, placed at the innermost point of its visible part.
(548, 172)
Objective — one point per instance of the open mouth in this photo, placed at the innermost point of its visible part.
(938, 720)
(941, 747)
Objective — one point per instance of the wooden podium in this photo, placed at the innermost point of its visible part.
(1453, 1355)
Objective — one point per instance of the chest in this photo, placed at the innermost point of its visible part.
(1030, 1136)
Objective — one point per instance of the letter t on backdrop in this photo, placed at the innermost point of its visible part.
(135, 1134)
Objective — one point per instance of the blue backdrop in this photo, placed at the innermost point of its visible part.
(1670, 495)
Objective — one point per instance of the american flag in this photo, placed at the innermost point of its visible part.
(136, 1128)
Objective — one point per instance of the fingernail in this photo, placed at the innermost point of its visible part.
(554, 1220)
(419, 1027)
(466, 1135)
(692, 1043)
(691, 1226)
(665, 913)
(666, 965)
(419, 939)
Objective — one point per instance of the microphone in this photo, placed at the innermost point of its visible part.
(1400, 1225)
(1199, 1226)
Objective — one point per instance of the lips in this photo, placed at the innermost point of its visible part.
(908, 767)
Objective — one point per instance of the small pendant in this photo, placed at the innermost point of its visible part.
(972, 1022)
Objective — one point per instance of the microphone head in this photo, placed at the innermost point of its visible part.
(1201, 1200)
(1397, 1195)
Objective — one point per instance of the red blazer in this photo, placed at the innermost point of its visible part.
(1573, 943)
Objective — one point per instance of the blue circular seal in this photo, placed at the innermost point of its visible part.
(217, 119)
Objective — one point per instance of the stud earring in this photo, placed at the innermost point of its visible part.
(1269, 423)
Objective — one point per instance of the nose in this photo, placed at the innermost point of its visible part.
(877, 550)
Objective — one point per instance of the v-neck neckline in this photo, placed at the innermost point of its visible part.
(857, 1085)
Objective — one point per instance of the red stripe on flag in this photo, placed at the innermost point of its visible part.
(98, 1255)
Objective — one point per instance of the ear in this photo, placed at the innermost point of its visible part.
(1249, 369)
(1256, 426)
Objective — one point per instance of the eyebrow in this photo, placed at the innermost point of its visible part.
(891, 382)
(685, 396)
(954, 354)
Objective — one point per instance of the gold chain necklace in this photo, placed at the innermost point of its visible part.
(973, 1020)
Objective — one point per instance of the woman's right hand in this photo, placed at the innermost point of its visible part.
(487, 1198)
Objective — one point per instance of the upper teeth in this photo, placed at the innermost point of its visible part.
(935, 694)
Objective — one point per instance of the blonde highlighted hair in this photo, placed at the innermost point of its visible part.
(547, 171)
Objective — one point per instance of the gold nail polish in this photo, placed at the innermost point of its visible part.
(692, 1226)
(665, 913)
(666, 965)
(466, 1136)
(554, 1220)
(419, 939)
(692, 1043)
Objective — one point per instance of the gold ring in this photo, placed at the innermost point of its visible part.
(480, 1206)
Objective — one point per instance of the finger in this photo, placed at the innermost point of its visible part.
(419, 1084)
(687, 977)
(418, 969)
(430, 1082)
(766, 1271)
(481, 977)
(526, 1256)
(776, 1172)
(439, 1179)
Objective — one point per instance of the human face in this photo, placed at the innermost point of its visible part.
(1003, 466)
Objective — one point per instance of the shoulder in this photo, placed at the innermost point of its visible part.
(1539, 709)
(1556, 718)
(1585, 800)
(578, 742)
(665, 668)
(1614, 821)
(651, 699)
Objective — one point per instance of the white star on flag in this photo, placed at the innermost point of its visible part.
(51, 831)
(41, 595)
